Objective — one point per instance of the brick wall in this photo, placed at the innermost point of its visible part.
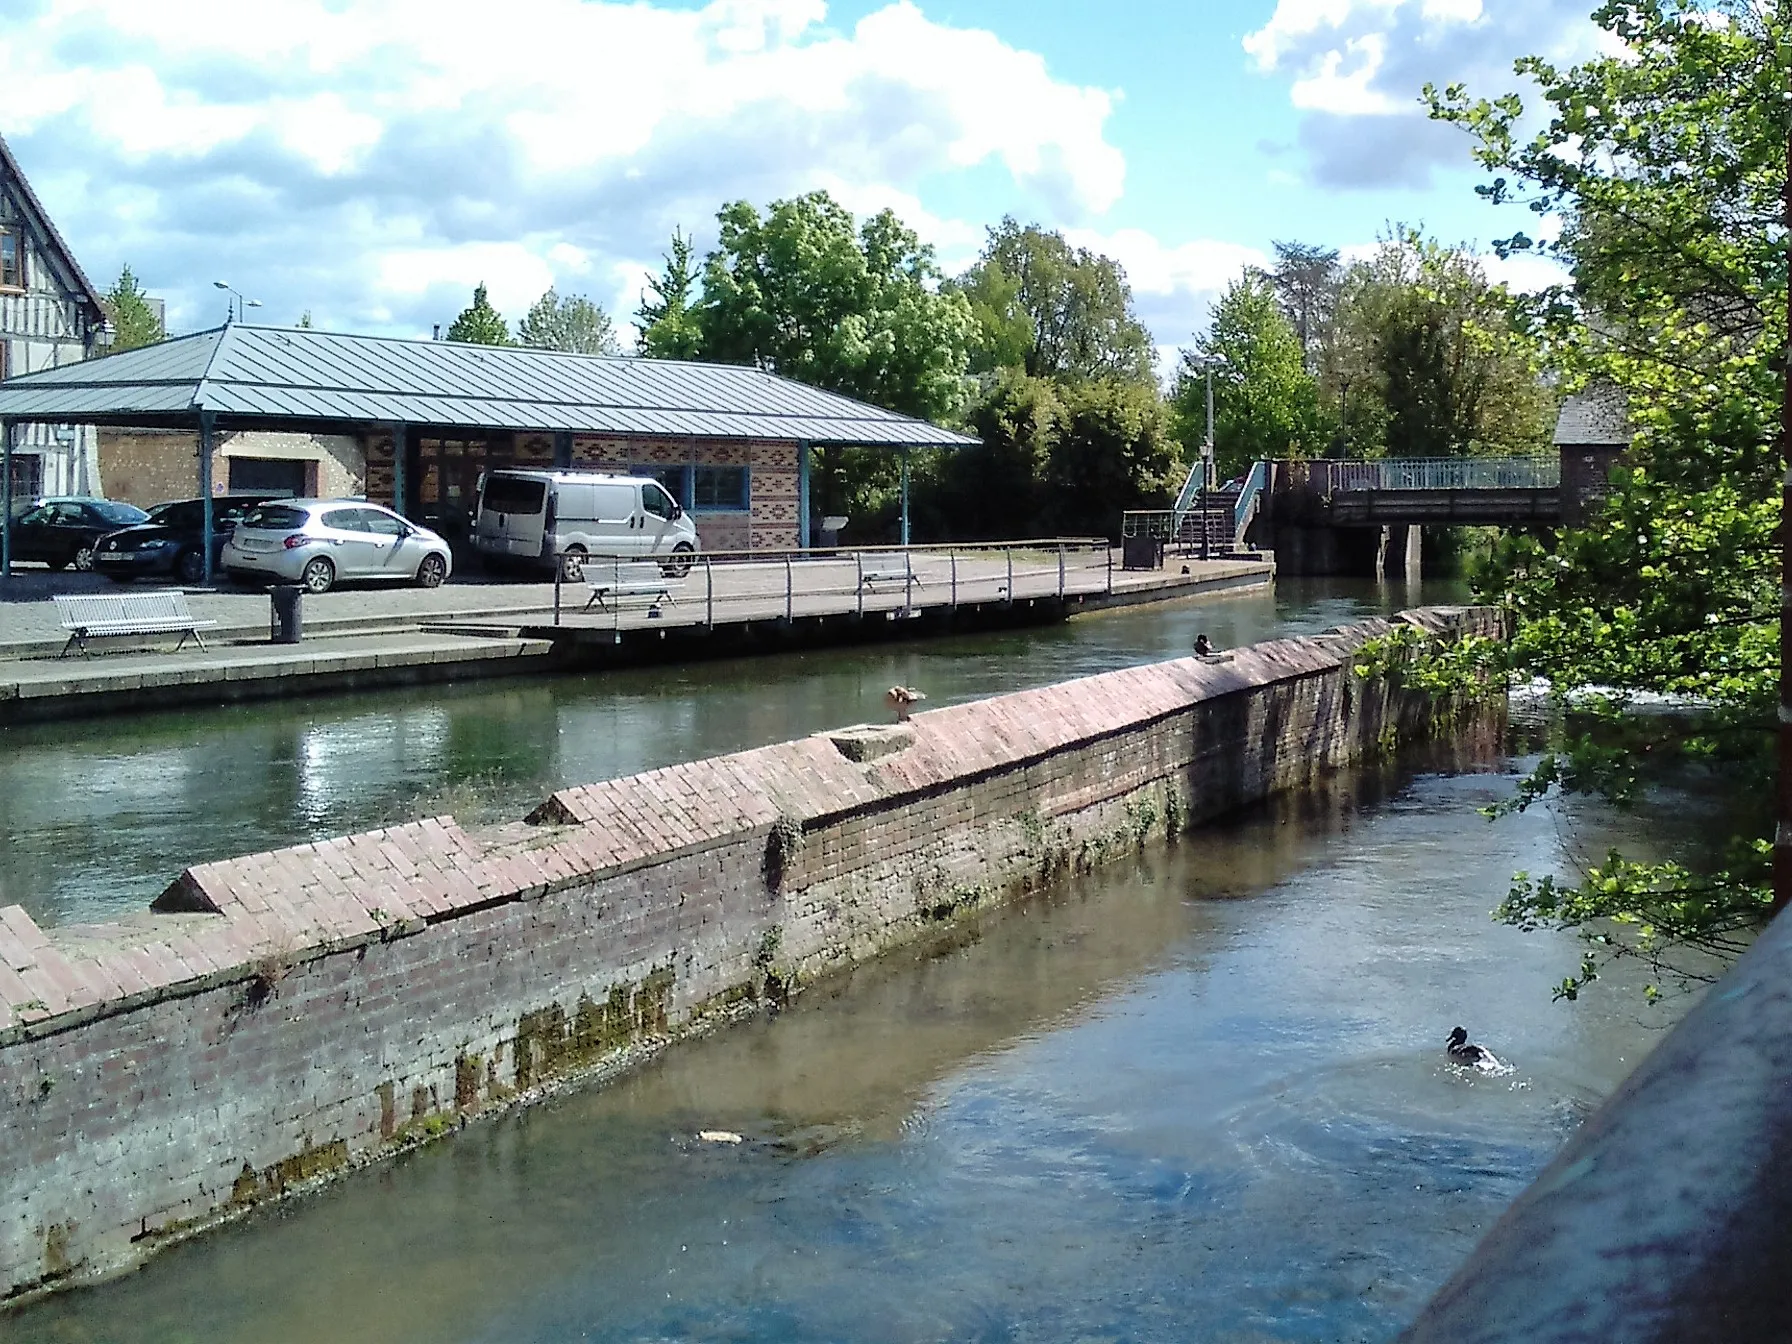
(280, 1017)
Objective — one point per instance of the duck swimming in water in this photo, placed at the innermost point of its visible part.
(1469, 1055)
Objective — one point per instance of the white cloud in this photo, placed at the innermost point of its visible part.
(369, 160)
(1356, 69)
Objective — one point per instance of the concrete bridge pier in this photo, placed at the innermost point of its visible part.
(1397, 553)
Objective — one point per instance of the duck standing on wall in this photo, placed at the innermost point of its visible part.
(1203, 646)
(1471, 1056)
(901, 698)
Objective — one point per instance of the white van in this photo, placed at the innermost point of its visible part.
(529, 517)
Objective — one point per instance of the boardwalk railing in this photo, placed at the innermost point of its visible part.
(888, 582)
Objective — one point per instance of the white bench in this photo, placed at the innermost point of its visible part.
(89, 615)
(610, 583)
(877, 569)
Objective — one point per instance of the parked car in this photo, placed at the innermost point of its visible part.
(63, 531)
(168, 541)
(322, 542)
(530, 517)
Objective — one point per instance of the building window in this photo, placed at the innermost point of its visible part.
(719, 490)
(672, 478)
(27, 476)
(12, 261)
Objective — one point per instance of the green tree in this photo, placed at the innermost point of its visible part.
(1265, 403)
(997, 490)
(1668, 163)
(479, 323)
(1440, 363)
(667, 324)
(134, 322)
(804, 292)
(1004, 334)
(1077, 302)
(1112, 452)
(574, 324)
(1306, 282)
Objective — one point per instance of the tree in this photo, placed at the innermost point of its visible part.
(480, 323)
(803, 291)
(997, 490)
(1113, 452)
(1306, 283)
(574, 324)
(1077, 302)
(1441, 365)
(1667, 163)
(1265, 404)
(304, 321)
(667, 325)
(134, 322)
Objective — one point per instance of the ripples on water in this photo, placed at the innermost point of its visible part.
(1203, 1097)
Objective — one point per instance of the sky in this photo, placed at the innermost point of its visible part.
(369, 161)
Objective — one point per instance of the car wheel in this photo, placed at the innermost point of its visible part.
(190, 567)
(680, 563)
(318, 576)
(432, 571)
(83, 558)
(572, 564)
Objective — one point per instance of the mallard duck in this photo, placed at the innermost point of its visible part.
(1469, 1055)
(901, 698)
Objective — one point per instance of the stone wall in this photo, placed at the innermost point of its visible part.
(151, 466)
(279, 1018)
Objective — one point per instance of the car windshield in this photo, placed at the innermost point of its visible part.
(274, 517)
(182, 513)
(119, 515)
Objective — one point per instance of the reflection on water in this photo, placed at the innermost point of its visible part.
(97, 817)
(1203, 1096)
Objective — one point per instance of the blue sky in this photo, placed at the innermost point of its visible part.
(370, 160)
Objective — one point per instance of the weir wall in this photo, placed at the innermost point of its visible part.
(278, 1018)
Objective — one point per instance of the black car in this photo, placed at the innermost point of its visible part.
(168, 542)
(63, 532)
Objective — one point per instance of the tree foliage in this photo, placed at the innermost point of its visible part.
(134, 322)
(1066, 311)
(668, 328)
(804, 291)
(1265, 403)
(574, 324)
(479, 323)
(1667, 165)
(1306, 280)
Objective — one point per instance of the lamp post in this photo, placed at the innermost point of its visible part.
(241, 303)
(1208, 363)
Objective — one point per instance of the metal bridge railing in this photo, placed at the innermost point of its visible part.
(1437, 473)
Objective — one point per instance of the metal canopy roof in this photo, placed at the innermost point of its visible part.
(297, 377)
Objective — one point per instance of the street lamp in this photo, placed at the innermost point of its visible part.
(1208, 363)
(241, 302)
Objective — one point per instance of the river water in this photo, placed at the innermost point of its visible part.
(1199, 1096)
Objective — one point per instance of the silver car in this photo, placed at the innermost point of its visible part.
(322, 542)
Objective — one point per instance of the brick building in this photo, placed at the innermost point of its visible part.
(1592, 435)
(414, 423)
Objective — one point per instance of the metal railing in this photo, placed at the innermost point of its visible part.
(1436, 473)
(1191, 488)
(1205, 528)
(890, 582)
(1250, 497)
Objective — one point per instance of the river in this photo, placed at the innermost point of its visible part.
(1198, 1097)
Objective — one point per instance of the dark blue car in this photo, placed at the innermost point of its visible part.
(168, 542)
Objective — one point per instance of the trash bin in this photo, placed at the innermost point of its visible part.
(286, 619)
(1141, 553)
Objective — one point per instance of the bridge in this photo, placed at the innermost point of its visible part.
(1341, 518)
